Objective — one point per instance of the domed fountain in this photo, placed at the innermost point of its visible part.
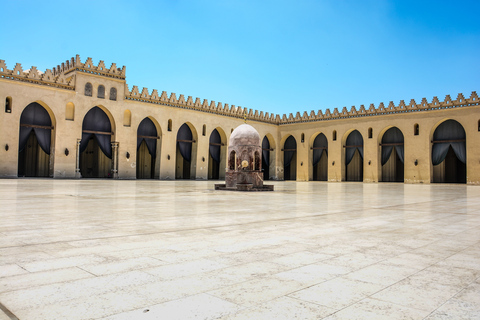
(244, 171)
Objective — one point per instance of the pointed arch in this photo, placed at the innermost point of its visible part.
(320, 158)
(449, 153)
(268, 157)
(186, 154)
(290, 158)
(148, 140)
(96, 154)
(392, 155)
(353, 156)
(36, 141)
(217, 154)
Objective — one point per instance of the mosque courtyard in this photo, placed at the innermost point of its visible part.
(144, 249)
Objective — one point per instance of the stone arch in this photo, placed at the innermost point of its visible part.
(98, 152)
(148, 149)
(217, 154)
(352, 168)
(268, 157)
(448, 155)
(186, 152)
(318, 157)
(36, 140)
(391, 155)
(289, 158)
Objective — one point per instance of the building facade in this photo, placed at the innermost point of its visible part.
(82, 120)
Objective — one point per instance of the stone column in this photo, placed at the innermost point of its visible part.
(115, 159)
(77, 165)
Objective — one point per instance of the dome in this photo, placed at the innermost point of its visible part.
(245, 135)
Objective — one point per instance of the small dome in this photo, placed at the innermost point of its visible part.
(245, 135)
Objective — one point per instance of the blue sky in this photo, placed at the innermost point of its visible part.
(275, 56)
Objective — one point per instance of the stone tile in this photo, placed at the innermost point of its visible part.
(417, 294)
(456, 309)
(337, 293)
(299, 259)
(121, 266)
(382, 274)
(377, 310)
(283, 308)
(256, 291)
(40, 278)
(8, 270)
(178, 270)
(201, 307)
(60, 263)
(309, 275)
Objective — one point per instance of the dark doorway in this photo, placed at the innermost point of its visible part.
(96, 146)
(184, 153)
(147, 139)
(354, 157)
(290, 159)
(392, 147)
(266, 158)
(215, 145)
(34, 142)
(320, 158)
(449, 154)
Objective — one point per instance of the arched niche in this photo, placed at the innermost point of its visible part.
(36, 141)
(290, 159)
(148, 146)
(319, 156)
(127, 118)
(392, 155)
(70, 111)
(268, 157)
(186, 154)
(217, 151)
(353, 156)
(449, 153)
(96, 151)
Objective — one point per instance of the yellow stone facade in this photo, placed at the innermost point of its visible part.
(61, 91)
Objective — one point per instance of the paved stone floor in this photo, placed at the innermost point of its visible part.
(103, 249)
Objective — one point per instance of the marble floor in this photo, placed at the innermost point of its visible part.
(109, 249)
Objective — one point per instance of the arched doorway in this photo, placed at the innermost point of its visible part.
(290, 159)
(266, 158)
(96, 145)
(184, 159)
(147, 138)
(393, 155)
(34, 142)
(354, 156)
(320, 158)
(214, 158)
(449, 153)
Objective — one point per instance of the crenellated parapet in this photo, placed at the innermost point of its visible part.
(58, 79)
(401, 107)
(63, 75)
(198, 104)
(251, 114)
(75, 64)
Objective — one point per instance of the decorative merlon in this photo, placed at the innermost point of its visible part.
(63, 76)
